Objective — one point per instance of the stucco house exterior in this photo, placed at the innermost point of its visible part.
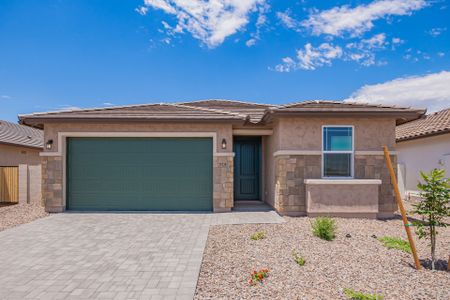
(20, 163)
(306, 158)
(422, 145)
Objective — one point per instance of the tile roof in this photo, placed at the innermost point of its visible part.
(432, 124)
(213, 110)
(255, 111)
(15, 134)
(161, 111)
(327, 105)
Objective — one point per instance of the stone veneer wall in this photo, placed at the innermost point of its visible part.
(290, 173)
(374, 167)
(223, 183)
(52, 183)
(292, 170)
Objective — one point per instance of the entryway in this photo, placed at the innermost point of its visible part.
(247, 168)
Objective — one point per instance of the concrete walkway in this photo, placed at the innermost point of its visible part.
(110, 255)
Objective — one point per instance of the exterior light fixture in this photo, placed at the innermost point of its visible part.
(224, 144)
(49, 144)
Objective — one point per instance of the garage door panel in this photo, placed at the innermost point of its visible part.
(139, 174)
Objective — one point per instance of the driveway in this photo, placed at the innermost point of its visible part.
(110, 255)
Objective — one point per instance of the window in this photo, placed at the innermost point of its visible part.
(337, 151)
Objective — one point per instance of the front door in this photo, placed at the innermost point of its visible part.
(247, 168)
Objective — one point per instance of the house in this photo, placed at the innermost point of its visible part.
(306, 158)
(422, 145)
(20, 163)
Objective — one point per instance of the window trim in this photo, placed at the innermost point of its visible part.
(351, 152)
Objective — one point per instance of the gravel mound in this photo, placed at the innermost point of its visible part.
(355, 259)
(13, 215)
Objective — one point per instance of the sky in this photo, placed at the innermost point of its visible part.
(57, 55)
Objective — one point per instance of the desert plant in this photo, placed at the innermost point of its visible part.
(392, 242)
(434, 206)
(258, 276)
(258, 236)
(324, 228)
(354, 295)
(300, 260)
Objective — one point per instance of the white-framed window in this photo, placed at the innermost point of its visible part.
(337, 151)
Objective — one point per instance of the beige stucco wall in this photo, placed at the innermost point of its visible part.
(285, 185)
(306, 133)
(28, 162)
(53, 166)
(421, 155)
(223, 130)
(270, 144)
(11, 156)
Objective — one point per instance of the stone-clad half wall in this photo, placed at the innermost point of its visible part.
(292, 170)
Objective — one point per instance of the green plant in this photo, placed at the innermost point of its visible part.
(298, 259)
(258, 236)
(434, 206)
(354, 295)
(324, 228)
(392, 242)
(258, 276)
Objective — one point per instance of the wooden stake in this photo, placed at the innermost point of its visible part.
(448, 264)
(398, 198)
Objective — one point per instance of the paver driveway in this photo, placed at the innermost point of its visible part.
(114, 256)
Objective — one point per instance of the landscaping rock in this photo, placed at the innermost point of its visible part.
(360, 263)
(13, 215)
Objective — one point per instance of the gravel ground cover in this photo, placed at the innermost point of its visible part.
(359, 262)
(13, 215)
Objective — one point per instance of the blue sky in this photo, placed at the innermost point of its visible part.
(63, 54)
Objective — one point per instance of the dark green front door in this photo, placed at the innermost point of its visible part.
(139, 174)
(247, 168)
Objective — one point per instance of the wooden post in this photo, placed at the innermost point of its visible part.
(398, 198)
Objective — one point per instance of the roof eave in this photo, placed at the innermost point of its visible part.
(22, 145)
(40, 121)
(400, 116)
(420, 136)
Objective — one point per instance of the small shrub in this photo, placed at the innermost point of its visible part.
(391, 242)
(258, 236)
(324, 228)
(298, 259)
(258, 276)
(354, 295)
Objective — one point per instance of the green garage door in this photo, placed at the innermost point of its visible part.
(139, 174)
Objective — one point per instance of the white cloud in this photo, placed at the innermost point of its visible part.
(260, 22)
(142, 10)
(363, 52)
(251, 42)
(65, 107)
(430, 91)
(287, 20)
(209, 21)
(434, 32)
(338, 21)
(311, 57)
(6, 97)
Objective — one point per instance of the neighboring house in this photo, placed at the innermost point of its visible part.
(422, 145)
(20, 163)
(306, 158)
